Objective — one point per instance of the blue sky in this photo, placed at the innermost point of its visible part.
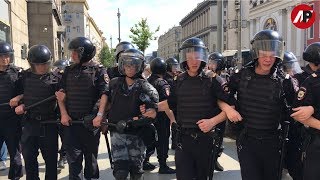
(163, 13)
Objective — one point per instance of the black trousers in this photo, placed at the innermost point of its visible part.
(259, 156)
(11, 135)
(222, 127)
(48, 144)
(62, 150)
(312, 159)
(163, 129)
(193, 156)
(81, 142)
(294, 154)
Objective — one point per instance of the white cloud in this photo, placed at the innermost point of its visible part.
(163, 13)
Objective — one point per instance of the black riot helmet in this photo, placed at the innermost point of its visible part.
(133, 58)
(158, 66)
(270, 41)
(196, 48)
(5, 48)
(312, 53)
(290, 63)
(84, 47)
(122, 46)
(62, 63)
(217, 59)
(172, 63)
(39, 54)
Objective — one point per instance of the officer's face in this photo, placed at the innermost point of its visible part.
(266, 60)
(75, 56)
(130, 70)
(4, 60)
(212, 65)
(193, 61)
(41, 68)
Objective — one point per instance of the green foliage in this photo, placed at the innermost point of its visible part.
(142, 35)
(106, 56)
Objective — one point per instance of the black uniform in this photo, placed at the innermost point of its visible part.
(170, 79)
(10, 129)
(308, 95)
(195, 98)
(128, 147)
(36, 134)
(84, 85)
(260, 103)
(162, 123)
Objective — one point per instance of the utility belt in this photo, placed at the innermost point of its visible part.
(260, 134)
(41, 117)
(193, 132)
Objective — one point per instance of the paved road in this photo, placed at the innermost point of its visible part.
(228, 160)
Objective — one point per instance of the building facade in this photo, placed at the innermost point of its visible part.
(78, 23)
(201, 22)
(276, 15)
(45, 25)
(169, 43)
(14, 29)
(313, 33)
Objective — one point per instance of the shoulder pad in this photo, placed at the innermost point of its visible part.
(161, 82)
(182, 76)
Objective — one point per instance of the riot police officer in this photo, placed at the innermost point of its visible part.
(261, 101)
(308, 95)
(291, 67)
(59, 66)
(84, 83)
(129, 92)
(39, 83)
(10, 129)
(122, 46)
(216, 64)
(162, 124)
(173, 70)
(195, 96)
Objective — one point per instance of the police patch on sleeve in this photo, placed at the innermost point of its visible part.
(226, 88)
(106, 78)
(301, 93)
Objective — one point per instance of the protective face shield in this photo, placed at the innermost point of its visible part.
(293, 68)
(194, 53)
(130, 61)
(274, 47)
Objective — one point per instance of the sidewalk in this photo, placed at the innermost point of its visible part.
(228, 160)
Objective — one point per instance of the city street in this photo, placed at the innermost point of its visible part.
(228, 160)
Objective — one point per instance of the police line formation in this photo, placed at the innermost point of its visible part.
(272, 102)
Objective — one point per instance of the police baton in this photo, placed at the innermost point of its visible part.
(4, 104)
(50, 98)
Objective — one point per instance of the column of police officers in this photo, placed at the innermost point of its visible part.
(263, 96)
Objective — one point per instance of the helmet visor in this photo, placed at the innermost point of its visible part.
(293, 68)
(262, 48)
(129, 62)
(194, 53)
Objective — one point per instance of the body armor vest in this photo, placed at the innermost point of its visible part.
(124, 103)
(259, 100)
(8, 89)
(80, 89)
(37, 88)
(195, 100)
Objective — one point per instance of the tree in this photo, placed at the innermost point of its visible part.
(106, 56)
(142, 35)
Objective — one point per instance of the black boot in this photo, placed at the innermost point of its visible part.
(147, 166)
(165, 169)
(218, 167)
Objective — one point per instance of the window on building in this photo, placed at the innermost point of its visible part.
(78, 29)
(5, 29)
(311, 32)
(68, 28)
(78, 15)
